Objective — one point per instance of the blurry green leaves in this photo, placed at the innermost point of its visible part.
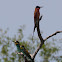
(0, 42)
(19, 35)
(58, 58)
(8, 49)
(26, 44)
(8, 38)
(13, 57)
(47, 51)
(20, 32)
(4, 50)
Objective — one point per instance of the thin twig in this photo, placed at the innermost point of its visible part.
(52, 35)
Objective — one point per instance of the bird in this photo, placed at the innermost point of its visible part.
(18, 46)
(26, 53)
(37, 17)
(23, 50)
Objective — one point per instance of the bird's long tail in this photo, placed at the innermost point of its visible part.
(33, 31)
(33, 35)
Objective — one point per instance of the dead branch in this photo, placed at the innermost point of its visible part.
(42, 40)
(41, 43)
(52, 35)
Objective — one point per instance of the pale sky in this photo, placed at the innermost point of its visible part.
(14, 13)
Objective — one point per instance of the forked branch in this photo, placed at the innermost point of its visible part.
(42, 40)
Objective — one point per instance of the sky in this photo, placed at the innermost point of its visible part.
(16, 13)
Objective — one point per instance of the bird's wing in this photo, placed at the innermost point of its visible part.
(35, 14)
(26, 53)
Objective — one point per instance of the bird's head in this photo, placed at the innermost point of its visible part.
(38, 7)
(17, 43)
(22, 46)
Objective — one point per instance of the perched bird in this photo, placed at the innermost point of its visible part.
(18, 46)
(36, 16)
(23, 50)
(26, 53)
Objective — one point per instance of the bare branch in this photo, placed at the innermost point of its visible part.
(52, 35)
(40, 17)
(41, 43)
(20, 53)
(38, 49)
(25, 57)
(42, 40)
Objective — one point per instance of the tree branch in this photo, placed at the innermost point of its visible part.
(40, 17)
(42, 40)
(25, 57)
(52, 35)
(41, 43)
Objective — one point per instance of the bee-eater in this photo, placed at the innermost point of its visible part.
(36, 16)
(18, 46)
(23, 50)
(26, 53)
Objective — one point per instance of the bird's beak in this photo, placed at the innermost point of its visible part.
(15, 41)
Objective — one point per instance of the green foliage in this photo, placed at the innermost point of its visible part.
(8, 48)
(47, 51)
